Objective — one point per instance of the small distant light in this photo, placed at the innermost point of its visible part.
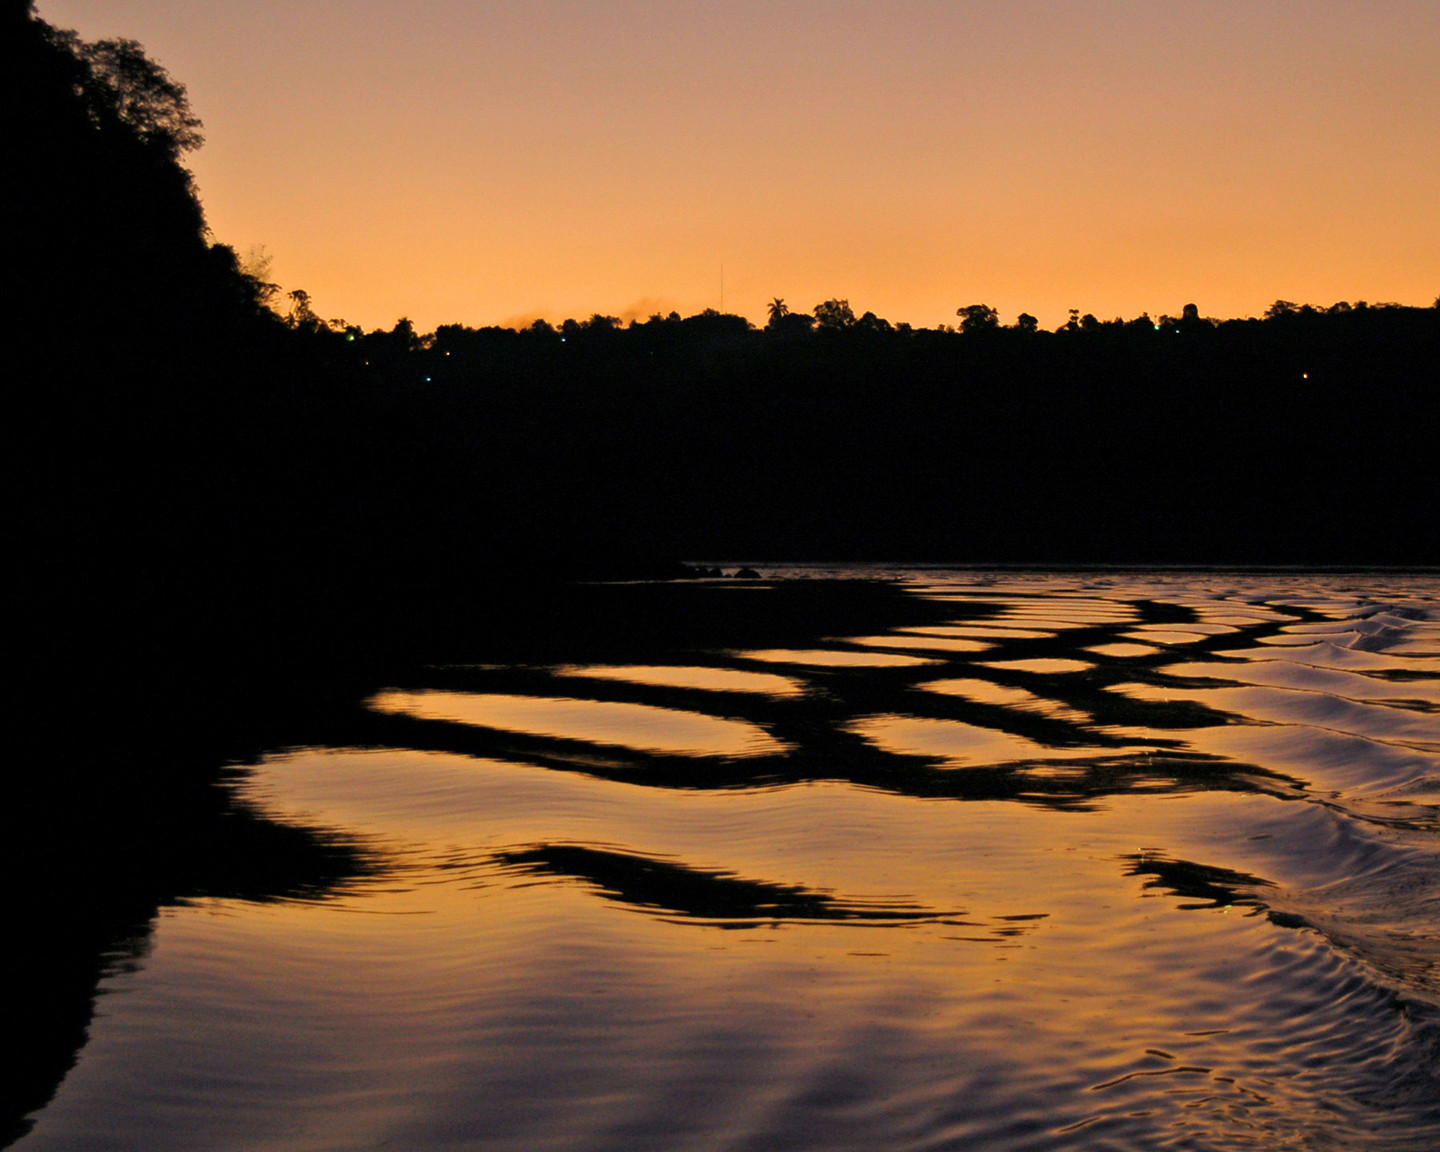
(1304, 375)
(427, 379)
(349, 336)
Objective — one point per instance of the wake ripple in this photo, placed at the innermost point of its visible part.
(1067, 861)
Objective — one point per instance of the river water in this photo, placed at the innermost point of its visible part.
(1088, 860)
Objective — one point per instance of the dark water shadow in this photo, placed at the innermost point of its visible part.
(109, 843)
(1204, 885)
(1094, 756)
(676, 890)
(1074, 783)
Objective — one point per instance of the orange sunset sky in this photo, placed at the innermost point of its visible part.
(482, 162)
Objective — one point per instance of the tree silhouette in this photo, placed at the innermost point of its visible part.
(778, 311)
(301, 314)
(141, 94)
(977, 318)
(834, 314)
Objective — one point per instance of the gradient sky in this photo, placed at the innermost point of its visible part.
(481, 162)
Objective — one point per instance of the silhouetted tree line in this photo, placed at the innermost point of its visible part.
(199, 456)
(1306, 436)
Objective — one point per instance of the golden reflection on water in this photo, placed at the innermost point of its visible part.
(834, 658)
(1099, 951)
(524, 1011)
(1166, 635)
(1053, 624)
(958, 744)
(639, 726)
(1262, 704)
(1327, 655)
(978, 632)
(1123, 650)
(688, 676)
(985, 692)
(454, 815)
(1303, 677)
(1040, 664)
(922, 643)
(1227, 616)
(1047, 613)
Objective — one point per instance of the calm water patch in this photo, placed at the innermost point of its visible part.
(1122, 649)
(641, 726)
(1042, 664)
(978, 632)
(834, 658)
(923, 643)
(709, 679)
(1007, 697)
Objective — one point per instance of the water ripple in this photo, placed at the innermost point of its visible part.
(1162, 870)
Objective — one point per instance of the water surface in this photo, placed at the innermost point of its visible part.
(1153, 862)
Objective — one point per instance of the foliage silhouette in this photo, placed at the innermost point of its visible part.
(977, 318)
(834, 314)
(129, 86)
